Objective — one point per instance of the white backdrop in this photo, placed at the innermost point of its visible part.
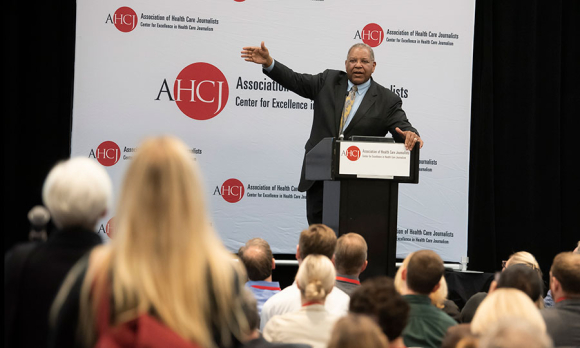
(148, 67)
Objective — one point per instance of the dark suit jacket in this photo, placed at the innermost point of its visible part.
(563, 323)
(39, 281)
(379, 113)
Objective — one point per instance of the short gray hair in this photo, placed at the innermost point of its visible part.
(362, 45)
(77, 192)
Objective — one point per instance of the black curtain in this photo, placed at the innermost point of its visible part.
(523, 185)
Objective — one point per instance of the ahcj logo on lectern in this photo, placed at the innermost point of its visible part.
(124, 19)
(200, 91)
(352, 153)
(107, 153)
(232, 190)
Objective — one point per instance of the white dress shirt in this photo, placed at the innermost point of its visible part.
(311, 325)
(288, 300)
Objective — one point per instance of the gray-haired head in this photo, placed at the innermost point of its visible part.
(77, 192)
(362, 45)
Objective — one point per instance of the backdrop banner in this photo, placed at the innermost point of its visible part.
(147, 68)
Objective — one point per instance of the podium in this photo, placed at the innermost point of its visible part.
(361, 191)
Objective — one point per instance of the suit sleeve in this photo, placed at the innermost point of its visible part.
(397, 118)
(305, 85)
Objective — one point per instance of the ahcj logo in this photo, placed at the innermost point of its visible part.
(200, 91)
(108, 153)
(232, 190)
(352, 153)
(372, 34)
(124, 19)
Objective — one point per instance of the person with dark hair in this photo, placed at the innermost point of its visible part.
(427, 324)
(256, 255)
(523, 278)
(350, 259)
(563, 319)
(517, 276)
(378, 298)
(317, 239)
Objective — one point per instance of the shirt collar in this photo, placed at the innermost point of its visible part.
(362, 88)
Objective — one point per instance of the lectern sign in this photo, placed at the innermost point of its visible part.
(375, 160)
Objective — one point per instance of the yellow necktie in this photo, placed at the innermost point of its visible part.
(347, 107)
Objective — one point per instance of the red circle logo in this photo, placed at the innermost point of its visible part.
(372, 34)
(232, 190)
(353, 153)
(108, 153)
(109, 229)
(125, 19)
(201, 91)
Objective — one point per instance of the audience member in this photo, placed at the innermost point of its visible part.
(316, 239)
(438, 298)
(522, 258)
(563, 320)
(254, 339)
(77, 192)
(378, 298)
(165, 279)
(38, 217)
(549, 300)
(312, 323)
(510, 333)
(350, 259)
(427, 324)
(353, 331)
(506, 303)
(458, 333)
(257, 257)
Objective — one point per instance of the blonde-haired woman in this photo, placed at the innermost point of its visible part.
(506, 303)
(165, 262)
(312, 324)
(357, 330)
(438, 298)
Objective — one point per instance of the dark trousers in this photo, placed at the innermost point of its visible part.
(314, 196)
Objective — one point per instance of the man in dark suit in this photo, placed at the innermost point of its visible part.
(345, 104)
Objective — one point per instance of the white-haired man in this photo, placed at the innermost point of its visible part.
(77, 192)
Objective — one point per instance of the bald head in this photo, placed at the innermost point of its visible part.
(351, 254)
(257, 257)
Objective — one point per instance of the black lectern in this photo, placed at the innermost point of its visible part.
(361, 191)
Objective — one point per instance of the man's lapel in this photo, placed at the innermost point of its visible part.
(339, 98)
